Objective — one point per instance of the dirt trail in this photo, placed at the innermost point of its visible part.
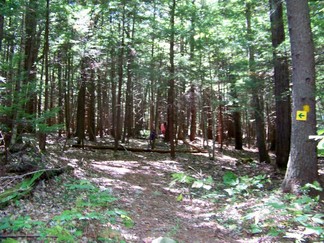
(143, 189)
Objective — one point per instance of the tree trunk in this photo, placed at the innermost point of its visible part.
(67, 92)
(171, 84)
(42, 134)
(61, 87)
(257, 99)
(100, 103)
(302, 164)
(236, 117)
(2, 6)
(113, 91)
(193, 112)
(31, 50)
(92, 107)
(128, 121)
(80, 130)
(281, 91)
(118, 125)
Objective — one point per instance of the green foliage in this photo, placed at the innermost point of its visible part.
(279, 216)
(320, 145)
(96, 199)
(244, 185)
(230, 179)
(61, 234)
(81, 185)
(68, 226)
(10, 241)
(191, 184)
(181, 178)
(12, 224)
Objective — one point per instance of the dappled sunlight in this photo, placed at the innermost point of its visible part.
(226, 158)
(117, 167)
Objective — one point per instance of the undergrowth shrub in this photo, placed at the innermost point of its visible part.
(92, 207)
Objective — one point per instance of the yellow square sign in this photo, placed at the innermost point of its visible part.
(301, 116)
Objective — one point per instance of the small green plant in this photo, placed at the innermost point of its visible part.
(320, 145)
(192, 185)
(244, 185)
(14, 225)
(91, 206)
(290, 216)
(181, 178)
(60, 233)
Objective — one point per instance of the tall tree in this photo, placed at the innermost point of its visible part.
(42, 134)
(31, 51)
(257, 96)
(302, 164)
(2, 7)
(281, 85)
(171, 84)
(118, 120)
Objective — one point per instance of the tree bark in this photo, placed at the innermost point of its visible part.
(171, 84)
(42, 134)
(118, 125)
(80, 130)
(91, 106)
(128, 120)
(302, 164)
(193, 112)
(281, 83)
(2, 6)
(257, 98)
(31, 50)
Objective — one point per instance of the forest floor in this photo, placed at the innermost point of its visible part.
(189, 199)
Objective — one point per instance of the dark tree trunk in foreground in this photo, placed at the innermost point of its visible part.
(281, 81)
(302, 164)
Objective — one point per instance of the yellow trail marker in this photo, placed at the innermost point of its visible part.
(306, 108)
(301, 116)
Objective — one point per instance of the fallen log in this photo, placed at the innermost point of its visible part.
(29, 181)
(91, 146)
(194, 147)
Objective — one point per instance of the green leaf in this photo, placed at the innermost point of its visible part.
(230, 191)
(274, 232)
(230, 179)
(198, 184)
(313, 230)
(276, 205)
(255, 229)
(82, 185)
(182, 178)
(179, 198)
(318, 218)
(10, 240)
(127, 221)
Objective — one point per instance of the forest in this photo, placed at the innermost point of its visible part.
(161, 121)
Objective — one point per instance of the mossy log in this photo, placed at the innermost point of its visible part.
(29, 180)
